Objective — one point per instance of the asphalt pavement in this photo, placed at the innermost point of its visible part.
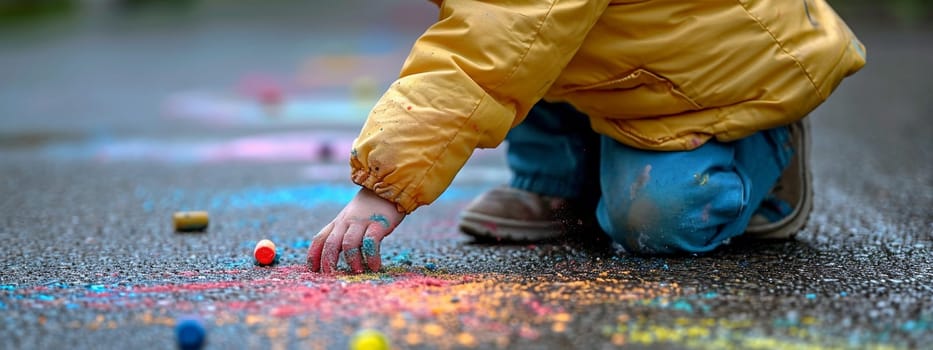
(97, 152)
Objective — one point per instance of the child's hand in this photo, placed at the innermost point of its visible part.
(357, 232)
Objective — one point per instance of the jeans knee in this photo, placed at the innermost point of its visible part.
(671, 222)
(645, 228)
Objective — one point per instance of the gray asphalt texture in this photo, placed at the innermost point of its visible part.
(91, 260)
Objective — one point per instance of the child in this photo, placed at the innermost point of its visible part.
(676, 124)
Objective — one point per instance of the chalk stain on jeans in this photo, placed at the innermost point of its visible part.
(640, 182)
(701, 180)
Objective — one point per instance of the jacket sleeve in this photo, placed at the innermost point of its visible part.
(468, 79)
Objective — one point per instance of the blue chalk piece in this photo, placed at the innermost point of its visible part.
(842, 294)
(430, 266)
(811, 296)
(45, 297)
(190, 334)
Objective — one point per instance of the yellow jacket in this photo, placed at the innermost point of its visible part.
(662, 74)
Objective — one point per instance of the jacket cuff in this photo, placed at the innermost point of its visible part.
(404, 203)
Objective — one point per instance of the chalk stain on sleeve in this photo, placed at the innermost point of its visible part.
(380, 219)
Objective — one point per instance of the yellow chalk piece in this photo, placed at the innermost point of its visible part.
(190, 221)
(369, 339)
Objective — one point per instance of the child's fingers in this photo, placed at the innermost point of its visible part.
(352, 241)
(317, 245)
(330, 255)
(372, 240)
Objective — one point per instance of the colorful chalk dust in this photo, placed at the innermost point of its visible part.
(567, 298)
(417, 308)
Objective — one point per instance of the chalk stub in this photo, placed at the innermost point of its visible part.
(188, 221)
(369, 339)
(190, 333)
(264, 252)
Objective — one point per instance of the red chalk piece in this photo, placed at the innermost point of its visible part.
(264, 252)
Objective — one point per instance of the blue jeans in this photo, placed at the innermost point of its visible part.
(648, 201)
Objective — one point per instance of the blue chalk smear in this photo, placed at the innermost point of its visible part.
(301, 243)
(369, 247)
(682, 305)
(403, 258)
(302, 196)
(380, 219)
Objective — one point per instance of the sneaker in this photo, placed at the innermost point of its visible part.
(785, 211)
(514, 215)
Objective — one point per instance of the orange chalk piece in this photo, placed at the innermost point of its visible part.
(264, 252)
(186, 221)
